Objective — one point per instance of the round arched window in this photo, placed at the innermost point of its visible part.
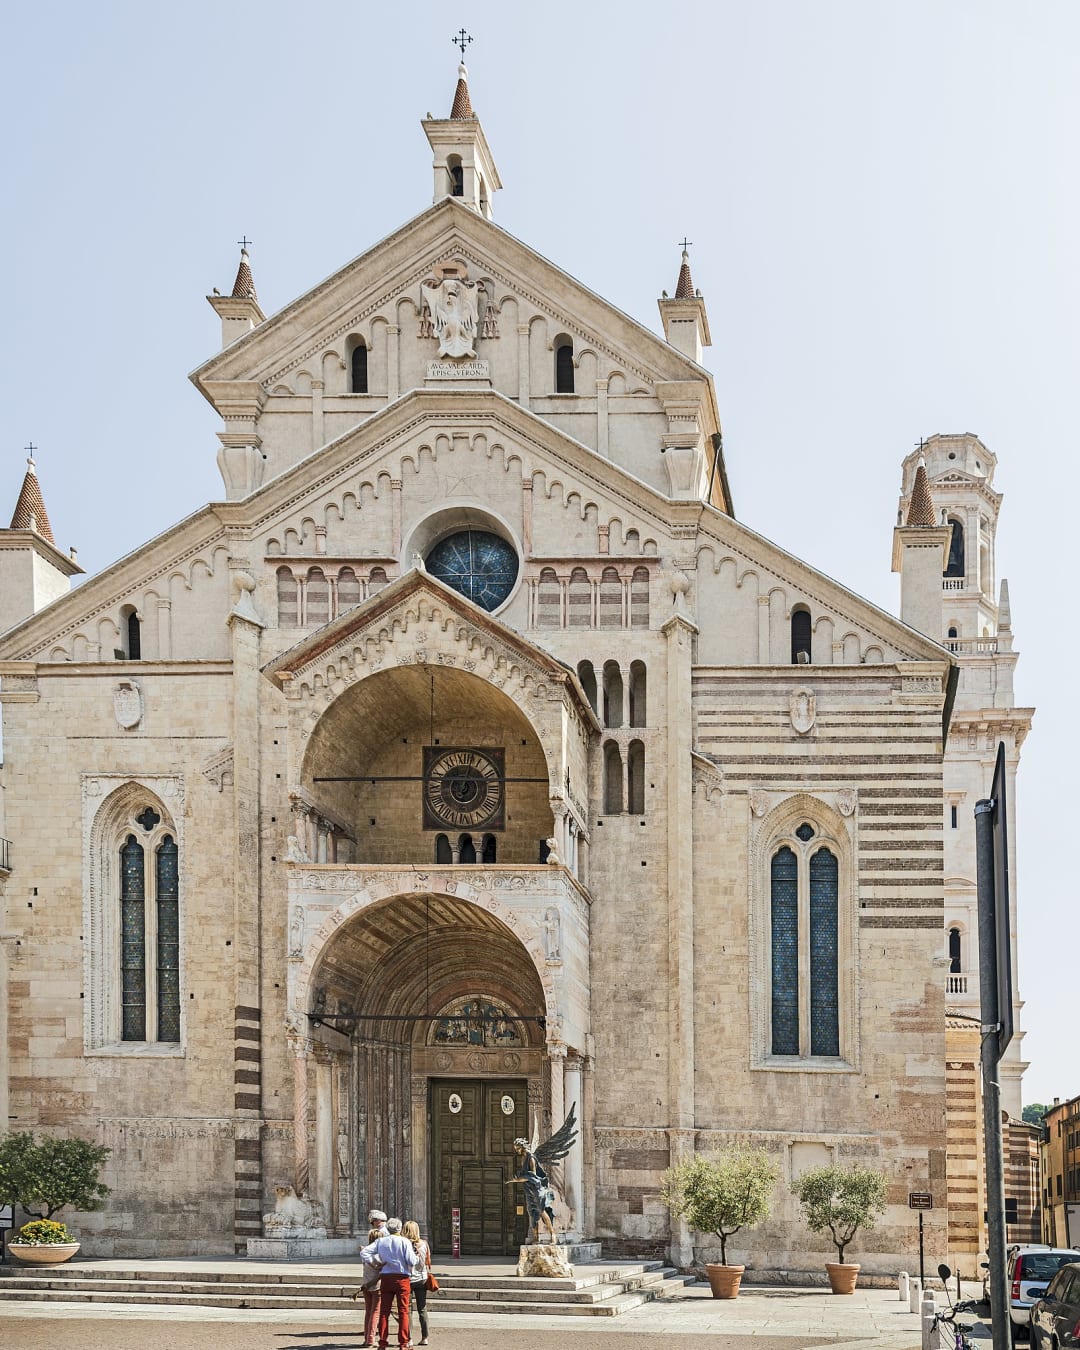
(480, 565)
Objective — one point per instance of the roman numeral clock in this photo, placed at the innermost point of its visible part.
(463, 788)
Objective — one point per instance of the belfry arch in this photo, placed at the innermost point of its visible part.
(429, 1028)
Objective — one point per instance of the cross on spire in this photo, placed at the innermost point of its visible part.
(922, 443)
(30, 449)
(245, 241)
(461, 39)
(686, 243)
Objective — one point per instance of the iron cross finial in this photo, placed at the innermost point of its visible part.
(245, 241)
(686, 243)
(461, 39)
(30, 449)
(922, 443)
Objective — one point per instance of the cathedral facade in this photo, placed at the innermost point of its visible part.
(468, 763)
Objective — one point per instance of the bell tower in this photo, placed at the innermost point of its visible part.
(463, 164)
(971, 616)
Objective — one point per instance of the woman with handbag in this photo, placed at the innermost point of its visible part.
(422, 1279)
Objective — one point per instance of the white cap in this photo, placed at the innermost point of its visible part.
(376, 1216)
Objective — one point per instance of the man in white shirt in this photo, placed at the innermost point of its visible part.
(396, 1259)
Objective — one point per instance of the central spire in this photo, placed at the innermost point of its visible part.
(463, 162)
(462, 103)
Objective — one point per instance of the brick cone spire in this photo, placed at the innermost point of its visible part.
(462, 108)
(921, 508)
(30, 513)
(244, 285)
(684, 288)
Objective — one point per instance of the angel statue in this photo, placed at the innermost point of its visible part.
(531, 1161)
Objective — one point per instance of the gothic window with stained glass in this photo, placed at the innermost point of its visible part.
(804, 934)
(478, 564)
(149, 930)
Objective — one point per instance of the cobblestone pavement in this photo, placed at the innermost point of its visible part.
(771, 1318)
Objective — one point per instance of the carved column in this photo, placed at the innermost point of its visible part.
(301, 1173)
(523, 364)
(763, 630)
(556, 1056)
(395, 488)
(572, 1168)
(318, 436)
(679, 632)
(602, 417)
(325, 1136)
(526, 515)
(164, 629)
(392, 361)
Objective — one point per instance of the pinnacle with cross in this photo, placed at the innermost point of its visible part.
(245, 242)
(30, 450)
(461, 39)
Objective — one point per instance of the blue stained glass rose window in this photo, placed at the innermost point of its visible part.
(480, 565)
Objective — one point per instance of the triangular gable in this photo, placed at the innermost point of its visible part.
(397, 264)
(376, 617)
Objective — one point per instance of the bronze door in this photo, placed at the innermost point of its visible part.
(473, 1134)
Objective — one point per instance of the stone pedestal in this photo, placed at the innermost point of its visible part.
(544, 1261)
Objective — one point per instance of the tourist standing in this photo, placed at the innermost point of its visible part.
(370, 1287)
(395, 1258)
(419, 1279)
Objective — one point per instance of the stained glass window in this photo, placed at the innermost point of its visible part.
(785, 953)
(168, 941)
(133, 940)
(478, 564)
(824, 942)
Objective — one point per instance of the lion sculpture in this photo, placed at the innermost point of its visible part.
(293, 1216)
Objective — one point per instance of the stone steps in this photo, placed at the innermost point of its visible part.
(606, 1292)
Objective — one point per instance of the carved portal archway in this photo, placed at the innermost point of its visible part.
(378, 976)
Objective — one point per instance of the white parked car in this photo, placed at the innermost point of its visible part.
(1028, 1270)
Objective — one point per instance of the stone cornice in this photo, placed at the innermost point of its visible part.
(23, 539)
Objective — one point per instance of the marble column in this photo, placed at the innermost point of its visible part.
(573, 1171)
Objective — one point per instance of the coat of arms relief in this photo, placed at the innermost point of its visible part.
(450, 311)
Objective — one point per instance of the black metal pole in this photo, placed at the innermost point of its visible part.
(988, 1007)
(922, 1255)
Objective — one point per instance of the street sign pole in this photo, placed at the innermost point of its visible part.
(995, 989)
(922, 1201)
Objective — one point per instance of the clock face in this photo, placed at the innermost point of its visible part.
(463, 788)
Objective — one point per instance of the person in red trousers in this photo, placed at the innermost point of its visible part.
(395, 1258)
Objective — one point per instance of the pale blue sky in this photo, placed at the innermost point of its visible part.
(884, 205)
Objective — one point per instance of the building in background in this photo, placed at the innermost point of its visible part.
(1061, 1174)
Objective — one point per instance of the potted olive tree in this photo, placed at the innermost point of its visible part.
(41, 1176)
(840, 1201)
(721, 1193)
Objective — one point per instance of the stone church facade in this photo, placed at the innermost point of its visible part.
(470, 762)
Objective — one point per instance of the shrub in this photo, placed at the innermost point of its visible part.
(721, 1193)
(44, 1233)
(841, 1200)
(43, 1175)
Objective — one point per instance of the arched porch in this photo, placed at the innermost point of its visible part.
(434, 1018)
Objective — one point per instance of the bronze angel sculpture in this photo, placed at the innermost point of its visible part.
(531, 1161)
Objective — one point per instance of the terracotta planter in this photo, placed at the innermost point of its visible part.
(50, 1255)
(842, 1276)
(724, 1281)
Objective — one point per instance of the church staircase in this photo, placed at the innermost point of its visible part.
(598, 1289)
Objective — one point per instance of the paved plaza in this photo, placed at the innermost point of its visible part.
(776, 1318)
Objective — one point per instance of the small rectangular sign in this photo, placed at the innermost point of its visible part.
(920, 1200)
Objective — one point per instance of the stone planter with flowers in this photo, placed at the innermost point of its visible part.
(43, 1243)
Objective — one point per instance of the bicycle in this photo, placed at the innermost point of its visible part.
(949, 1334)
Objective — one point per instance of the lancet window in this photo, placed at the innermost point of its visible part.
(804, 943)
